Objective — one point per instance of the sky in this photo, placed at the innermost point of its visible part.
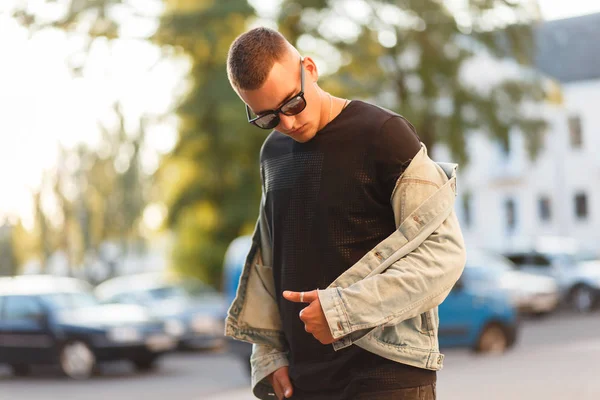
(42, 105)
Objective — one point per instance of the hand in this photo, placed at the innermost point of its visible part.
(312, 315)
(280, 380)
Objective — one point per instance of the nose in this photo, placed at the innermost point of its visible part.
(286, 122)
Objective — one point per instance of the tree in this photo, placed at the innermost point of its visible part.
(410, 56)
(8, 258)
(210, 181)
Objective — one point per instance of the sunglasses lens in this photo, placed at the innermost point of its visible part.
(268, 121)
(294, 106)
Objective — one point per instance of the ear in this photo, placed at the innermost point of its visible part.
(310, 68)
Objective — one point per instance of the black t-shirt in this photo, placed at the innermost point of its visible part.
(327, 205)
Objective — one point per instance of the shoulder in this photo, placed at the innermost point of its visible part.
(274, 145)
(375, 119)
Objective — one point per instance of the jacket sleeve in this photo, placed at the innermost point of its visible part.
(418, 282)
(415, 283)
(264, 361)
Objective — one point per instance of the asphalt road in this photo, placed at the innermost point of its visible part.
(555, 358)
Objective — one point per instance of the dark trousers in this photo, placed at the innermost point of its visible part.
(368, 392)
(416, 393)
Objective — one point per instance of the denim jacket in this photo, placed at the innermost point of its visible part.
(387, 302)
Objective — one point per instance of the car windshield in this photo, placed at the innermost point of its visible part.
(188, 288)
(488, 267)
(166, 292)
(70, 301)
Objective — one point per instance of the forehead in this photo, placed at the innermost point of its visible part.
(282, 82)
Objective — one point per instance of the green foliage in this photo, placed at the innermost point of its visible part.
(210, 181)
(419, 69)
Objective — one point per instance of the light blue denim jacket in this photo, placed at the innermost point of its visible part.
(387, 302)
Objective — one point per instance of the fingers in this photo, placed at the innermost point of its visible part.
(282, 384)
(278, 390)
(300, 297)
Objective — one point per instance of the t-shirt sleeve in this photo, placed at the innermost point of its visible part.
(393, 149)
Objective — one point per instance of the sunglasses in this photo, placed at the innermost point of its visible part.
(294, 106)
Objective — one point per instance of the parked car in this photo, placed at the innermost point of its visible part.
(57, 320)
(478, 316)
(531, 294)
(192, 311)
(577, 274)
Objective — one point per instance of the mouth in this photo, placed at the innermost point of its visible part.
(295, 131)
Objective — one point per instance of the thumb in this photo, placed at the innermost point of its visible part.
(300, 297)
(283, 379)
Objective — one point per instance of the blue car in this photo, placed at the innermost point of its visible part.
(478, 313)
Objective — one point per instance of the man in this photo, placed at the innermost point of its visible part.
(356, 243)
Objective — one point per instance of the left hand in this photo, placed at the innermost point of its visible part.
(313, 316)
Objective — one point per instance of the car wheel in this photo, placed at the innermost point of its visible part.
(77, 361)
(583, 298)
(145, 363)
(493, 340)
(20, 369)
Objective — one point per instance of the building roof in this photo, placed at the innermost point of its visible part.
(568, 49)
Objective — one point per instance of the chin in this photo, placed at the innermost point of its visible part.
(304, 136)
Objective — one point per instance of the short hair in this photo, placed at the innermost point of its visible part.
(252, 55)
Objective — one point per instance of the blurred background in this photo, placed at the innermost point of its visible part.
(129, 184)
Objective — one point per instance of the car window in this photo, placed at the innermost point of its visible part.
(70, 301)
(1, 311)
(540, 260)
(127, 298)
(518, 259)
(166, 292)
(21, 308)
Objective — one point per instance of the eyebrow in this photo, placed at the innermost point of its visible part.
(289, 96)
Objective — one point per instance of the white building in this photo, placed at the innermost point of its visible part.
(503, 195)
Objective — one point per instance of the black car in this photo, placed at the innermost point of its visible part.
(57, 320)
(190, 309)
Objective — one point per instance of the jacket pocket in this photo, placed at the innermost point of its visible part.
(403, 334)
(429, 321)
(259, 309)
(409, 194)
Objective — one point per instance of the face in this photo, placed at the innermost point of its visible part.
(282, 84)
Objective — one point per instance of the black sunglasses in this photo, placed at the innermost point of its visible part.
(293, 106)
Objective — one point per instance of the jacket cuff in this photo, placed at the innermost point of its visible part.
(262, 367)
(335, 312)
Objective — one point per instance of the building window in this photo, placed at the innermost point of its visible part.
(581, 206)
(510, 212)
(544, 209)
(575, 131)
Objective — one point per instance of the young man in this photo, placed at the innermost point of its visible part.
(356, 243)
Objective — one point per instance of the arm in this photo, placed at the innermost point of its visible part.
(418, 281)
(412, 285)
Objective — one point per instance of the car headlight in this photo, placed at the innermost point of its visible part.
(124, 334)
(174, 327)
